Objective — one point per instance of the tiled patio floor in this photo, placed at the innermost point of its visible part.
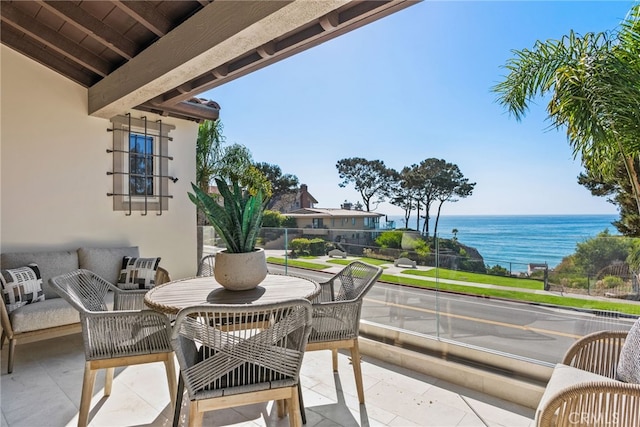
(44, 390)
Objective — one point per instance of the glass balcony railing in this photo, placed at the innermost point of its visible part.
(531, 311)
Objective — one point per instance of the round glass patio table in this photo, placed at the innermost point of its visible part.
(171, 297)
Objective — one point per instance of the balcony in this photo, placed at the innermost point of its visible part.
(45, 386)
(433, 353)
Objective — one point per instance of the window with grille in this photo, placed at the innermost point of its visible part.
(140, 165)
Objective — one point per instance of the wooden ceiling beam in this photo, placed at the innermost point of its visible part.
(45, 57)
(197, 46)
(330, 25)
(92, 26)
(223, 41)
(147, 15)
(52, 39)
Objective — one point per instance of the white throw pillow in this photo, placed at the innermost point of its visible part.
(21, 286)
(138, 273)
(629, 364)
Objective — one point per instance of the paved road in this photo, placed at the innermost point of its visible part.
(526, 330)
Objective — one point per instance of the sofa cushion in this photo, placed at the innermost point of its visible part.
(138, 273)
(21, 286)
(628, 369)
(105, 262)
(47, 314)
(51, 264)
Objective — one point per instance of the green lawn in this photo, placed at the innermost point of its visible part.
(488, 279)
(564, 301)
(515, 295)
(296, 263)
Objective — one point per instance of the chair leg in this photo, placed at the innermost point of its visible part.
(87, 391)
(4, 337)
(303, 413)
(334, 359)
(171, 378)
(355, 361)
(12, 351)
(294, 409)
(108, 380)
(195, 417)
(178, 401)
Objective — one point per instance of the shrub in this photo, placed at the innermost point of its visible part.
(497, 270)
(594, 254)
(389, 239)
(272, 219)
(300, 246)
(422, 248)
(577, 282)
(317, 247)
(609, 282)
(289, 222)
(276, 220)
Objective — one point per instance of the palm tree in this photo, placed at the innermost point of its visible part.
(232, 163)
(209, 152)
(594, 83)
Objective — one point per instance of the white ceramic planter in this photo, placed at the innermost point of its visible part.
(240, 272)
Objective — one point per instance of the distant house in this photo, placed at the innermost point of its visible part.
(345, 225)
(293, 201)
(341, 219)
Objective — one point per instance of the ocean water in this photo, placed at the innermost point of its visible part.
(513, 241)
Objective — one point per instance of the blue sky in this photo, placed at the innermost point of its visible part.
(416, 85)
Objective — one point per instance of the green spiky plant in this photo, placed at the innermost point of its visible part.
(239, 219)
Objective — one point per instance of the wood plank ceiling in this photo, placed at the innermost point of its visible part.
(158, 56)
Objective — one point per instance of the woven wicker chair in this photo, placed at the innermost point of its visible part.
(113, 338)
(593, 404)
(205, 268)
(229, 356)
(336, 314)
(131, 301)
(598, 352)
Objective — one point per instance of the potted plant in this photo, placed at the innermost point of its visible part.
(237, 221)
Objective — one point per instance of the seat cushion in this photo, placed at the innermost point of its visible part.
(51, 264)
(21, 286)
(562, 377)
(47, 314)
(105, 262)
(628, 369)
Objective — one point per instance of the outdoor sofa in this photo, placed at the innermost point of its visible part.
(51, 316)
(597, 383)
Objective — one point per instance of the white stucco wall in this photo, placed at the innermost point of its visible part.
(53, 173)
